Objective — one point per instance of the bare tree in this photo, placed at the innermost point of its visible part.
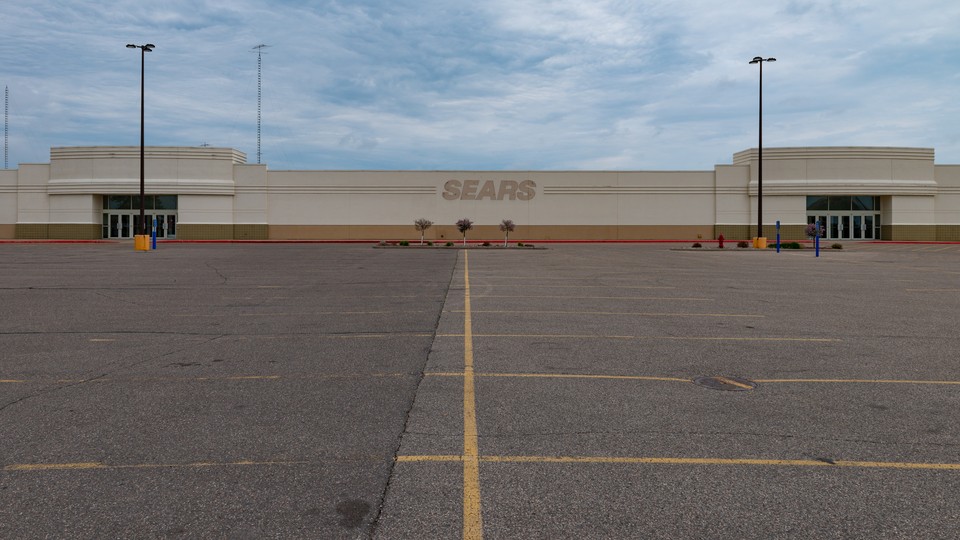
(422, 225)
(463, 226)
(507, 227)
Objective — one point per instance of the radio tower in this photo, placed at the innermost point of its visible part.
(259, 48)
(6, 126)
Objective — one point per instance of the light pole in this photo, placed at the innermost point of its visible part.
(759, 60)
(144, 49)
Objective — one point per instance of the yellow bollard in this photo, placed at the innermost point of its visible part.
(141, 242)
(760, 242)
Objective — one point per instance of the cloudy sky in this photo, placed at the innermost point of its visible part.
(484, 84)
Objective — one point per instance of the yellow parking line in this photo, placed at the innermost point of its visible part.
(726, 380)
(692, 461)
(628, 313)
(666, 338)
(205, 379)
(414, 459)
(559, 376)
(689, 380)
(472, 517)
(79, 466)
(721, 461)
(932, 290)
(543, 286)
(308, 313)
(855, 381)
(565, 297)
(31, 467)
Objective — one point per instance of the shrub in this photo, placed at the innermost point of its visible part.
(448, 244)
(837, 246)
(696, 245)
(519, 244)
(429, 243)
(486, 244)
(742, 244)
(404, 243)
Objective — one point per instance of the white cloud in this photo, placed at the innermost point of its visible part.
(500, 84)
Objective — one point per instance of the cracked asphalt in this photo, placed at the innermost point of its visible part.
(317, 391)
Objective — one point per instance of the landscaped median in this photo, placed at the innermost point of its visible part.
(404, 244)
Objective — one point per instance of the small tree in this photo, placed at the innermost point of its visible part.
(422, 225)
(463, 226)
(507, 227)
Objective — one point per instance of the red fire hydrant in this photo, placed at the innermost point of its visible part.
(720, 239)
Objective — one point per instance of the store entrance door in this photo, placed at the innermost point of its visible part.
(126, 224)
(848, 225)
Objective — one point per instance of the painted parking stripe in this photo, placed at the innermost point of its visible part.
(665, 338)
(358, 375)
(38, 467)
(565, 297)
(830, 463)
(472, 517)
(560, 376)
(688, 380)
(690, 461)
(612, 313)
(544, 286)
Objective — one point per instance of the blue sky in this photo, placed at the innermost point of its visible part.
(489, 84)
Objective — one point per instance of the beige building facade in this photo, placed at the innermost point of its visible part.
(203, 193)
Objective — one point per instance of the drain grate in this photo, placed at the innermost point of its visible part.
(731, 384)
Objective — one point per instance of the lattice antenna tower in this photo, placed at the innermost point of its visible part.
(259, 48)
(6, 127)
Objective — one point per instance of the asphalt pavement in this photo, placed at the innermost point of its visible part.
(344, 391)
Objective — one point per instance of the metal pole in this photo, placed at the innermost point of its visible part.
(143, 62)
(760, 164)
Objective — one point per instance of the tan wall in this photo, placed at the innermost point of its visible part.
(116, 170)
(732, 198)
(947, 205)
(76, 209)
(948, 233)
(33, 205)
(8, 202)
(75, 231)
(221, 197)
(207, 209)
(920, 233)
(911, 210)
(250, 199)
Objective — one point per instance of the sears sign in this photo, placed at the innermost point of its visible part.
(494, 190)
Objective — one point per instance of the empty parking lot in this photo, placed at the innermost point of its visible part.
(304, 390)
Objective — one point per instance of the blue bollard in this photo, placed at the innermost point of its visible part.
(778, 236)
(153, 235)
(816, 239)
